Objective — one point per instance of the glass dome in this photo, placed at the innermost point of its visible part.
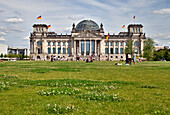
(87, 24)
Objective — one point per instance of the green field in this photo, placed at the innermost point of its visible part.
(39, 87)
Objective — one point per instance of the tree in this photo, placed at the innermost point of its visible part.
(5, 55)
(129, 48)
(1, 55)
(148, 49)
(10, 55)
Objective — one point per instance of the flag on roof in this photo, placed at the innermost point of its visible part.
(123, 26)
(107, 37)
(134, 17)
(38, 18)
(49, 26)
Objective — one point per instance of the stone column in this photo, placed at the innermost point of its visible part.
(66, 46)
(74, 47)
(124, 47)
(34, 49)
(90, 49)
(141, 47)
(51, 46)
(114, 47)
(79, 47)
(100, 47)
(95, 47)
(56, 46)
(61, 44)
(84, 47)
(118, 47)
(109, 46)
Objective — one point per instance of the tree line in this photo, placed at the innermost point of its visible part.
(19, 56)
(149, 51)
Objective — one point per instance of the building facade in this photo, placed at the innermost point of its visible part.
(21, 51)
(87, 39)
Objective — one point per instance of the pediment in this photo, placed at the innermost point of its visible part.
(87, 35)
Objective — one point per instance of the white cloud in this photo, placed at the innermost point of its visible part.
(2, 33)
(2, 39)
(67, 29)
(14, 20)
(75, 17)
(26, 38)
(167, 37)
(162, 11)
(161, 35)
(169, 43)
(156, 41)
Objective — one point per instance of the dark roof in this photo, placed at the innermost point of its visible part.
(40, 25)
(135, 25)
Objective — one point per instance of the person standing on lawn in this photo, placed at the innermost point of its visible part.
(134, 57)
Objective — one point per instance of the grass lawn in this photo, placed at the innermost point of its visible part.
(40, 87)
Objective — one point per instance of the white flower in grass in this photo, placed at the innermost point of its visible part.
(54, 109)
(48, 105)
(55, 105)
(73, 107)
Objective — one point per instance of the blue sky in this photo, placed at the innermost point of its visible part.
(18, 16)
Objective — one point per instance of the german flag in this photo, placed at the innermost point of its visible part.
(107, 37)
(123, 26)
(38, 18)
(49, 26)
(134, 17)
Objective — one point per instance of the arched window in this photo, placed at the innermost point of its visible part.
(136, 43)
(39, 43)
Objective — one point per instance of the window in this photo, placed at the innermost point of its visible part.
(64, 50)
(111, 43)
(39, 50)
(48, 43)
(93, 46)
(69, 50)
(49, 50)
(39, 43)
(121, 43)
(111, 56)
(68, 43)
(111, 50)
(87, 47)
(136, 43)
(121, 56)
(116, 43)
(106, 43)
(116, 50)
(37, 29)
(116, 56)
(42, 29)
(126, 43)
(58, 43)
(54, 50)
(64, 43)
(53, 43)
(59, 50)
(82, 47)
(106, 50)
(121, 50)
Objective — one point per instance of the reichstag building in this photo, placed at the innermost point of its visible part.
(87, 39)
